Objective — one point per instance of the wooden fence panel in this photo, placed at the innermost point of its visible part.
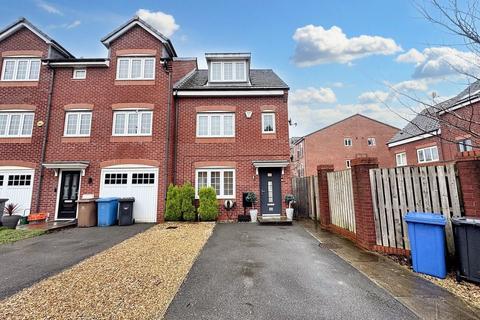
(397, 191)
(340, 194)
(305, 190)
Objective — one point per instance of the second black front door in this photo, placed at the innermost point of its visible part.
(270, 190)
(67, 206)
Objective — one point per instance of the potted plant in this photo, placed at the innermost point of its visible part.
(9, 218)
(289, 199)
(252, 198)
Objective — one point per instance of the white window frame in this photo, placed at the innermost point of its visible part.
(423, 150)
(77, 125)
(371, 142)
(401, 156)
(347, 142)
(222, 181)
(129, 70)
(22, 119)
(126, 112)
(76, 77)
(222, 124)
(463, 146)
(348, 163)
(15, 68)
(234, 71)
(263, 122)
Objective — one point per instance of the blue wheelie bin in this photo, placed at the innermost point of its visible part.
(426, 232)
(107, 211)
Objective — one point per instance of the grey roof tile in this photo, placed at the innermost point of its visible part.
(426, 121)
(259, 79)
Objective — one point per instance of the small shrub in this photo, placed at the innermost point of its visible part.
(173, 208)
(208, 209)
(187, 196)
(290, 199)
(251, 198)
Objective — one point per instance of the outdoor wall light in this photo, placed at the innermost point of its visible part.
(248, 114)
(90, 180)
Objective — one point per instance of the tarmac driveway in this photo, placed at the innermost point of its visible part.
(27, 261)
(249, 271)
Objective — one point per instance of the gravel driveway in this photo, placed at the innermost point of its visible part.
(248, 271)
(28, 261)
(135, 279)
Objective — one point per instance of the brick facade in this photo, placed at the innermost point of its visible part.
(248, 144)
(172, 147)
(326, 146)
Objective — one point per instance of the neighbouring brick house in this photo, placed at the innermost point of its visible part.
(339, 143)
(131, 123)
(439, 132)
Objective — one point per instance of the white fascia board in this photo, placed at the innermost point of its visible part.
(128, 27)
(21, 25)
(228, 93)
(105, 63)
(416, 138)
(460, 105)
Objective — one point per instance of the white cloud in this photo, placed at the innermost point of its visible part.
(439, 62)
(373, 96)
(165, 23)
(74, 24)
(316, 45)
(48, 7)
(313, 95)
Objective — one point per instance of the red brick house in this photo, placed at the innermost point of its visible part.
(131, 123)
(339, 143)
(439, 132)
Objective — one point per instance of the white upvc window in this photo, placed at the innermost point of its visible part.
(347, 142)
(429, 154)
(136, 68)
(228, 71)
(401, 159)
(16, 124)
(222, 180)
(348, 164)
(371, 142)
(79, 73)
(132, 123)
(465, 145)
(268, 122)
(78, 124)
(215, 124)
(21, 69)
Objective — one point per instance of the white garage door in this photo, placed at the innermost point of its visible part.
(138, 182)
(16, 184)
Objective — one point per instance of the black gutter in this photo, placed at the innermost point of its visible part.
(45, 140)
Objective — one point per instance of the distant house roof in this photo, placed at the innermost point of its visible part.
(259, 79)
(426, 122)
(348, 118)
(294, 140)
(134, 22)
(24, 23)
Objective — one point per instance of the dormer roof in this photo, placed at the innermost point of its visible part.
(227, 56)
(137, 21)
(24, 23)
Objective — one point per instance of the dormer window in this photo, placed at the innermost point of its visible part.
(225, 71)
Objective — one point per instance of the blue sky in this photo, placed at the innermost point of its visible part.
(338, 57)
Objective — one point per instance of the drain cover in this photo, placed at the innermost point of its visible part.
(172, 227)
(329, 245)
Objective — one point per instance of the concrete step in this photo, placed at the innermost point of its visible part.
(274, 220)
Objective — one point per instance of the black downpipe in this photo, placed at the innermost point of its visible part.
(45, 140)
(167, 144)
(175, 144)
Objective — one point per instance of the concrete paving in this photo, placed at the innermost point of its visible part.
(27, 261)
(250, 271)
(424, 298)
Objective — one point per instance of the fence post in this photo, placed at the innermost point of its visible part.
(322, 171)
(362, 201)
(468, 166)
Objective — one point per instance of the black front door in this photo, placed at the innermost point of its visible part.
(270, 192)
(67, 206)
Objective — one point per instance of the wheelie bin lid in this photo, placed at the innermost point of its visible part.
(465, 220)
(425, 218)
(127, 199)
(108, 199)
